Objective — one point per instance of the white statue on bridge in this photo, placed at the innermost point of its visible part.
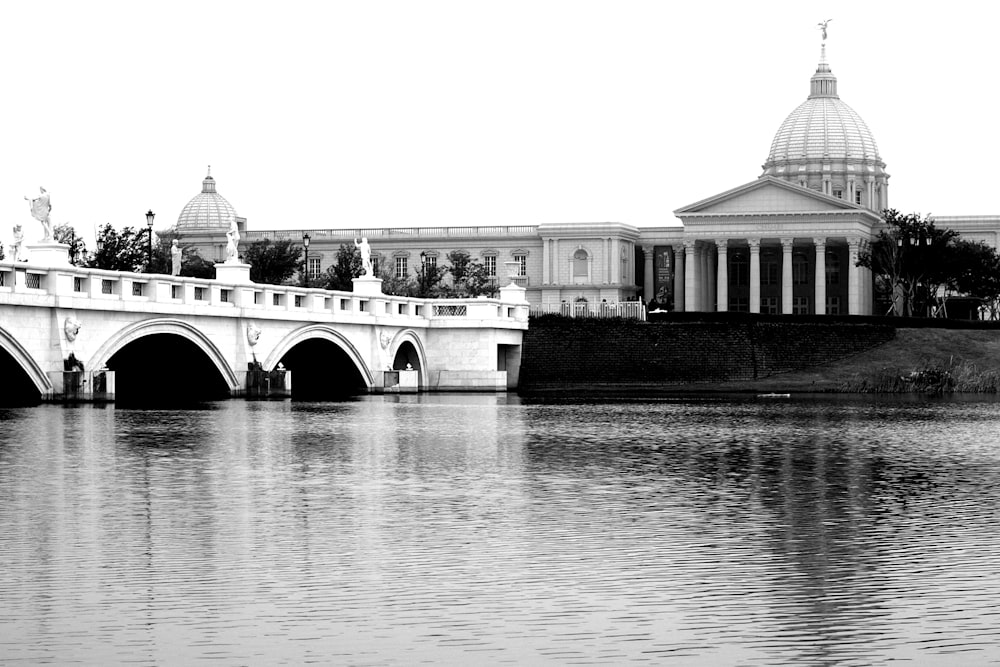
(232, 248)
(40, 209)
(15, 249)
(366, 256)
(175, 258)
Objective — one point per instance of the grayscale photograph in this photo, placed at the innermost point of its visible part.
(463, 332)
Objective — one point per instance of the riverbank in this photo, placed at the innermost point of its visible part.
(756, 355)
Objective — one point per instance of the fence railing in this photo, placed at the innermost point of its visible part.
(635, 310)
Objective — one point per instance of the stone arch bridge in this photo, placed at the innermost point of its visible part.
(86, 334)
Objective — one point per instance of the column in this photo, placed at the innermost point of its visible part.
(546, 261)
(786, 277)
(690, 276)
(648, 283)
(820, 308)
(712, 290)
(722, 276)
(754, 275)
(853, 278)
(679, 265)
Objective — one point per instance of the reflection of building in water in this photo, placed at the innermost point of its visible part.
(786, 242)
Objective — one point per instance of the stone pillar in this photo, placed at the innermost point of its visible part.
(722, 276)
(690, 276)
(853, 277)
(820, 286)
(754, 275)
(679, 278)
(712, 291)
(786, 277)
(546, 262)
(648, 284)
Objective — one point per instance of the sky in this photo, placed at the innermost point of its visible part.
(317, 115)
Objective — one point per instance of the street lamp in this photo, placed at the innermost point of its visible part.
(305, 242)
(423, 273)
(149, 254)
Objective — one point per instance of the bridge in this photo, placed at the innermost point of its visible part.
(72, 333)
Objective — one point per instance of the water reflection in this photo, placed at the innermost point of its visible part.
(470, 528)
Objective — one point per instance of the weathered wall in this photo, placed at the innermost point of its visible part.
(581, 353)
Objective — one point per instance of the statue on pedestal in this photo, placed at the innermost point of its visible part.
(175, 258)
(232, 249)
(15, 249)
(40, 209)
(366, 256)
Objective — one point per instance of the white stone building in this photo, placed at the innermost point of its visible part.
(786, 242)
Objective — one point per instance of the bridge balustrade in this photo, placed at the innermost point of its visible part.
(78, 287)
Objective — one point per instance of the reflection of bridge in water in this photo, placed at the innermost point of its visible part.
(69, 333)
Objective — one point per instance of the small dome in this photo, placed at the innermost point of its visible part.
(207, 210)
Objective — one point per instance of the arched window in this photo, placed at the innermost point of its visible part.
(580, 268)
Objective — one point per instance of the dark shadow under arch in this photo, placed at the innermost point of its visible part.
(406, 354)
(165, 369)
(16, 387)
(322, 371)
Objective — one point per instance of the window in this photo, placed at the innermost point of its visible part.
(276, 299)
(138, 289)
(199, 293)
(739, 304)
(800, 305)
(838, 193)
(107, 287)
(224, 295)
(77, 284)
(175, 291)
(580, 268)
(833, 305)
(769, 269)
(739, 270)
(832, 268)
(314, 268)
(769, 305)
(401, 269)
(490, 261)
(522, 264)
(857, 197)
(800, 269)
(430, 262)
(298, 300)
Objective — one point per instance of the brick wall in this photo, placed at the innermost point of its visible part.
(564, 352)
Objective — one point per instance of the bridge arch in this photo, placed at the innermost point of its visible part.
(165, 325)
(320, 332)
(406, 345)
(24, 359)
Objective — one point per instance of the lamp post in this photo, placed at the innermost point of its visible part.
(149, 250)
(423, 274)
(305, 242)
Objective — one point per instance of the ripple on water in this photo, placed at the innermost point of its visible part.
(478, 529)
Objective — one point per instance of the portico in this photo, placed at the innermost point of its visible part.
(773, 247)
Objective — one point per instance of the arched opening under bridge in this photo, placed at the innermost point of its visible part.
(322, 371)
(406, 355)
(16, 386)
(165, 369)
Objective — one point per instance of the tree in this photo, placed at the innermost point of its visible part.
(976, 273)
(65, 233)
(345, 268)
(194, 265)
(391, 284)
(273, 263)
(1, 250)
(459, 261)
(911, 260)
(429, 279)
(479, 281)
(120, 251)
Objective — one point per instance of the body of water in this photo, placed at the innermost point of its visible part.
(482, 529)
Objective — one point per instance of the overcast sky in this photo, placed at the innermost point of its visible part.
(368, 113)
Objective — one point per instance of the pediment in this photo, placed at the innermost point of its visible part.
(766, 195)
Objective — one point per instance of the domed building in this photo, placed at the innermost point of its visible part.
(788, 242)
(204, 221)
(826, 146)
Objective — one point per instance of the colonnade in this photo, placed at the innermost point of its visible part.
(701, 274)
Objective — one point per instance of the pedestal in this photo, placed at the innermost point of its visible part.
(48, 253)
(233, 272)
(368, 286)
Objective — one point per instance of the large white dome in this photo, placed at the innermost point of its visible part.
(823, 128)
(207, 210)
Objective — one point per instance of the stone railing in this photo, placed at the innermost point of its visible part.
(76, 287)
(394, 233)
(634, 310)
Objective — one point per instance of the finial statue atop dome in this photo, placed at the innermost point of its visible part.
(822, 26)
